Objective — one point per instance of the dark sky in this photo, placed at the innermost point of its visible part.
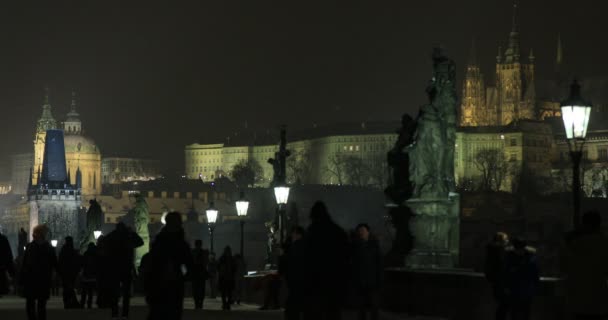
(153, 78)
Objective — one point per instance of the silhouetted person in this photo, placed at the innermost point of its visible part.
(226, 268)
(198, 273)
(239, 278)
(212, 274)
(68, 268)
(367, 272)
(293, 267)
(586, 267)
(328, 253)
(36, 274)
(119, 253)
(89, 275)
(495, 272)
(6, 264)
(522, 277)
(168, 262)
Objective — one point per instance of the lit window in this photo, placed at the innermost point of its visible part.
(350, 148)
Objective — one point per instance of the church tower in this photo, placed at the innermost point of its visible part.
(45, 122)
(473, 108)
(72, 124)
(515, 81)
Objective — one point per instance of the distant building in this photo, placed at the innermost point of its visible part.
(116, 170)
(21, 166)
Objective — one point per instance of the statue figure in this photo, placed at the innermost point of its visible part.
(279, 162)
(141, 220)
(432, 154)
(94, 222)
(21, 241)
(398, 159)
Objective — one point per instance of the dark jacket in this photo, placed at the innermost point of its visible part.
(495, 263)
(6, 264)
(119, 253)
(200, 259)
(39, 262)
(163, 273)
(521, 274)
(90, 264)
(327, 259)
(367, 264)
(294, 267)
(226, 272)
(69, 264)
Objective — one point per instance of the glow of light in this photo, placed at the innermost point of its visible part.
(241, 207)
(54, 243)
(97, 234)
(163, 218)
(576, 121)
(281, 194)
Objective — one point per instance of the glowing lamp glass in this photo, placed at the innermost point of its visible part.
(211, 215)
(54, 243)
(241, 207)
(576, 121)
(281, 194)
(97, 234)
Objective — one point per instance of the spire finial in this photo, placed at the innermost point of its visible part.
(46, 95)
(514, 16)
(531, 56)
(73, 105)
(559, 56)
(473, 53)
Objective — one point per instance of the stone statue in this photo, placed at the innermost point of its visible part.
(279, 162)
(432, 154)
(141, 220)
(94, 223)
(398, 159)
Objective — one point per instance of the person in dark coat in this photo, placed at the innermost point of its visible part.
(198, 274)
(89, 275)
(7, 266)
(36, 273)
(495, 272)
(226, 267)
(68, 268)
(328, 263)
(119, 254)
(585, 263)
(239, 278)
(367, 272)
(168, 262)
(522, 278)
(212, 274)
(293, 267)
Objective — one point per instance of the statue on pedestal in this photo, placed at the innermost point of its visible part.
(94, 223)
(141, 220)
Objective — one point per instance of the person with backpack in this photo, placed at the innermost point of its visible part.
(168, 262)
(198, 274)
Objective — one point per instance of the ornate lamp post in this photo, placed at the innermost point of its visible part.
(241, 209)
(281, 193)
(575, 114)
(211, 213)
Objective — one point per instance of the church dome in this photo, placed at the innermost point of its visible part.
(75, 143)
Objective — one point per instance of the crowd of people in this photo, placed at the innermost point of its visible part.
(512, 269)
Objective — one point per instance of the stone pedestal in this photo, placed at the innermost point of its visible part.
(435, 227)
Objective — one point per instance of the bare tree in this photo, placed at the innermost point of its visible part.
(335, 167)
(378, 170)
(299, 166)
(246, 173)
(493, 167)
(356, 170)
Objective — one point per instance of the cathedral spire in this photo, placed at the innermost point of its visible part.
(72, 124)
(512, 52)
(46, 120)
(531, 57)
(73, 105)
(473, 54)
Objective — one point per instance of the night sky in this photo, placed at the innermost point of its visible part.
(153, 78)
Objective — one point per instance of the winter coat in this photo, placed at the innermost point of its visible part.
(36, 275)
(69, 264)
(6, 264)
(119, 253)
(585, 263)
(294, 267)
(495, 263)
(521, 274)
(90, 262)
(367, 264)
(200, 259)
(164, 271)
(226, 273)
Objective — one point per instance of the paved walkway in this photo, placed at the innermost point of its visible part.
(13, 308)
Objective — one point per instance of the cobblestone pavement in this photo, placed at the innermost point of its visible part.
(13, 308)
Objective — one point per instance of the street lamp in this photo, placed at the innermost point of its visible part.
(241, 210)
(54, 243)
(211, 213)
(97, 234)
(281, 193)
(575, 114)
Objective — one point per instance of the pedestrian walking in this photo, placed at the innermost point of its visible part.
(239, 278)
(119, 253)
(495, 272)
(7, 267)
(328, 263)
(522, 278)
(367, 272)
(68, 268)
(36, 273)
(169, 260)
(198, 274)
(585, 264)
(212, 274)
(293, 268)
(226, 268)
(89, 276)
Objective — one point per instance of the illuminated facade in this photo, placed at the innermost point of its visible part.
(117, 170)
